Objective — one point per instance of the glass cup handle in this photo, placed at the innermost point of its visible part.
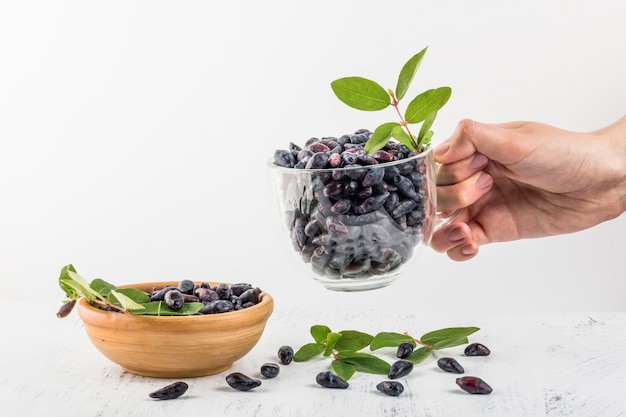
(443, 219)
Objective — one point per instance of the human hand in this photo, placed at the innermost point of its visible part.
(524, 180)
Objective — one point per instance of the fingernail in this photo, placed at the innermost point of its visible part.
(484, 181)
(479, 162)
(441, 149)
(455, 235)
(467, 250)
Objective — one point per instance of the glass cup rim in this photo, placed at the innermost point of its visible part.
(272, 165)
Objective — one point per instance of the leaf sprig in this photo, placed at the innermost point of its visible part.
(103, 294)
(345, 347)
(364, 94)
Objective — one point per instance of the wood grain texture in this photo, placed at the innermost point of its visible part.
(171, 346)
(541, 365)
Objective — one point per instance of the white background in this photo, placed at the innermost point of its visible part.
(134, 135)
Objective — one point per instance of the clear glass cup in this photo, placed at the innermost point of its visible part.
(356, 228)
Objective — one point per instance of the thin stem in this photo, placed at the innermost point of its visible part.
(423, 344)
(419, 342)
(107, 304)
(404, 123)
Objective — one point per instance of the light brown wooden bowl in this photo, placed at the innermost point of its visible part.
(175, 346)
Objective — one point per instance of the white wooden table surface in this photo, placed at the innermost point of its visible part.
(553, 364)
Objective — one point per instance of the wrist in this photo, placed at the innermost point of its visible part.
(615, 136)
(622, 177)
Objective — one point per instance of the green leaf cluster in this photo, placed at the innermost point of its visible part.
(101, 293)
(345, 347)
(431, 341)
(364, 94)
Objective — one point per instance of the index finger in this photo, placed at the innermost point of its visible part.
(472, 137)
(454, 148)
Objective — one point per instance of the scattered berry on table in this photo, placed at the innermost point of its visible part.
(170, 392)
(477, 349)
(404, 350)
(393, 388)
(400, 368)
(330, 380)
(242, 382)
(450, 365)
(285, 354)
(473, 385)
(270, 370)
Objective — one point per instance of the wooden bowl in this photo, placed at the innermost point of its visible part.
(175, 346)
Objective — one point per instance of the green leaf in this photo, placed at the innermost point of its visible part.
(418, 355)
(361, 93)
(82, 282)
(124, 301)
(364, 362)
(66, 269)
(331, 340)
(102, 287)
(134, 294)
(353, 340)
(425, 141)
(436, 336)
(343, 369)
(427, 102)
(408, 72)
(159, 308)
(425, 128)
(380, 137)
(80, 286)
(69, 291)
(308, 351)
(450, 342)
(399, 133)
(389, 339)
(76, 290)
(319, 332)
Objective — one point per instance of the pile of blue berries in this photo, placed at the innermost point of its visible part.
(367, 210)
(218, 298)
